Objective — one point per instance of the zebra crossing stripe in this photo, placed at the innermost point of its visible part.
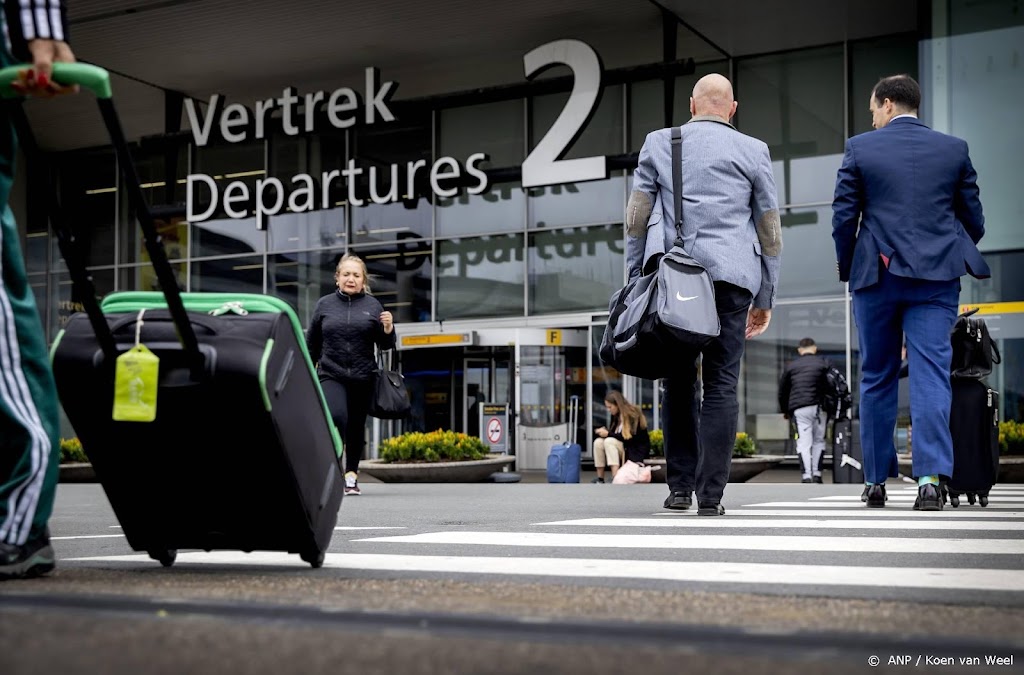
(851, 524)
(704, 542)
(999, 580)
(908, 499)
(903, 508)
(844, 511)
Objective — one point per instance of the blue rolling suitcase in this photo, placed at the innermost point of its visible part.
(564, 459)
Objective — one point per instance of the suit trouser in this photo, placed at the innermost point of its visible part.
(699, 436)
(810, 439)
(924, 312)
(29, 412)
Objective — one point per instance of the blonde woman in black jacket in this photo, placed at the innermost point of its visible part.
(625, 438)
(342, 333)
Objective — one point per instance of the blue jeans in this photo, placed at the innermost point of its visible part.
(699, 436)
(923, 311)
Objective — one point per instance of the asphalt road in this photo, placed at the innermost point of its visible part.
(482, 578)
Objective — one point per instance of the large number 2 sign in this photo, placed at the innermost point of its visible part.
(543, 166)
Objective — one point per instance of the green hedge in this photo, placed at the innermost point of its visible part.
(434, 446)
(744, 446)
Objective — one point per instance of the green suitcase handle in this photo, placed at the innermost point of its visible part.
(93, 78)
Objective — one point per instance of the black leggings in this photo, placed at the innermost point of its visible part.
(348, 401)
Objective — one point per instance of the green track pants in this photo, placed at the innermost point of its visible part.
(29, 413)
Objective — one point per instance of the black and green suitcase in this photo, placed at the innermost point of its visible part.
(240, 452)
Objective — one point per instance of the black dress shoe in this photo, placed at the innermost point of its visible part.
(805, 480)
(710, 509)
(876, 496)
(817, 479)
(679, 501)
(928, 498)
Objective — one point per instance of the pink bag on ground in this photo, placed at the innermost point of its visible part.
(631, 472)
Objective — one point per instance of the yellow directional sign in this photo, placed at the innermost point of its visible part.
(995, 307)
(553, 337)
(436, 340)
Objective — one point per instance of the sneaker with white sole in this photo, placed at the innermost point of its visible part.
(352, 483)
(32, 559)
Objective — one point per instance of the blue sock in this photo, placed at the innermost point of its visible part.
(925, 480)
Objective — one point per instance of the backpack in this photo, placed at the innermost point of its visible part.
(836, 398)
(974, 352)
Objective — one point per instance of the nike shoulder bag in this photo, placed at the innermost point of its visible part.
(671, 306)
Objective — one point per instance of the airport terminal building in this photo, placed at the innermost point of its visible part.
(478, 156)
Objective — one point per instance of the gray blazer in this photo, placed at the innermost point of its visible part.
(730, 208)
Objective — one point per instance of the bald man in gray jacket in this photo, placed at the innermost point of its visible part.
(730, 224)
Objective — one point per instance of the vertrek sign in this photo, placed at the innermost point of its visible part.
(300, 114)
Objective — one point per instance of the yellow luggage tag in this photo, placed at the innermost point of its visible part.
(136, 376)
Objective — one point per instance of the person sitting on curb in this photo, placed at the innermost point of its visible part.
(628, 438)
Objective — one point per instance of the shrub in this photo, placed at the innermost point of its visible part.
(434, 446)
(71, 451)
(744, 445)
(657, 443)
(1011, 437)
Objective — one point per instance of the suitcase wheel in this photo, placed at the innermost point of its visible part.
(983, 500)
(165, 557)
(315, 559)
(954, 501)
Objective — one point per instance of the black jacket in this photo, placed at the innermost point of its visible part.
(638, 447)
(802, 383)
(342, 333)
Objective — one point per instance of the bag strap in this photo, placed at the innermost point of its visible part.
(677, 182)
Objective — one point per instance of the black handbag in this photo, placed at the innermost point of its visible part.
(670, 307)
(974, 351)
(389, 399)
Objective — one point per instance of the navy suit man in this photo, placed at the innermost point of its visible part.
(914, 194)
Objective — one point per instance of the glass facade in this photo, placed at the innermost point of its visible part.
(557, 251)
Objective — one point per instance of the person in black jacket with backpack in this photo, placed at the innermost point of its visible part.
(342, 333)
(800, 396)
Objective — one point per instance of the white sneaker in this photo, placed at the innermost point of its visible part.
(352, 483)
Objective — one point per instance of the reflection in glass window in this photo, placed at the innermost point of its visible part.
(646, 102)
(495, 129)
(575, 269)
(314, 229)
(152, 163)
(501, 209)
(142, 277)
(794, 103)
(301, 278)
(480, 277)
(808, 254)
(385, 222)
(227, 236)
(400, 277)
(228, 275)
(88, 190)
(578, 203)
(66, 299)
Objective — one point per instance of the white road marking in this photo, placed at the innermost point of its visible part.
(730, 522)
(907, 499)
(720, 542)
(862, 512)
(90, 536)
(376, 527)
(718, 572)
(906, 507)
